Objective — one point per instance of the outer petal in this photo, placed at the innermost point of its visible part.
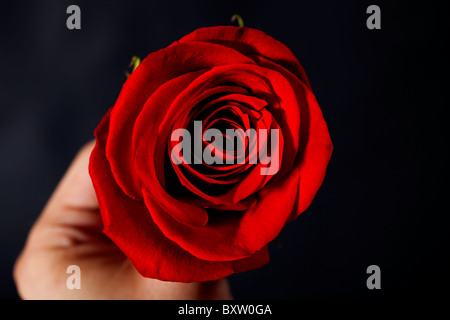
(315, 154)
(234, 236)
(315, 142)
(128, 223)
(146, 134)
(250, 42)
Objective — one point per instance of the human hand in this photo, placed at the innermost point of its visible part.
(69, 232)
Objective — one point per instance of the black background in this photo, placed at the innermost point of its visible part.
(383, 94)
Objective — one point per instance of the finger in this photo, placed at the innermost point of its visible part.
(75, 192)
(71, 216)
(75, 189)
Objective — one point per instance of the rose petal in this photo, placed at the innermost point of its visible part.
(315, 142)
(250, 42)
(147, 125)
(233, 236)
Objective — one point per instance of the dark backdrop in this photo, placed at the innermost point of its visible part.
(383, 94)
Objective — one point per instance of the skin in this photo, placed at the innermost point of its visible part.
(69, 232)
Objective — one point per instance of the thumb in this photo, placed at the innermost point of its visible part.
(75, 191)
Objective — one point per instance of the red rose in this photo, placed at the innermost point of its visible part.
(179, 220)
